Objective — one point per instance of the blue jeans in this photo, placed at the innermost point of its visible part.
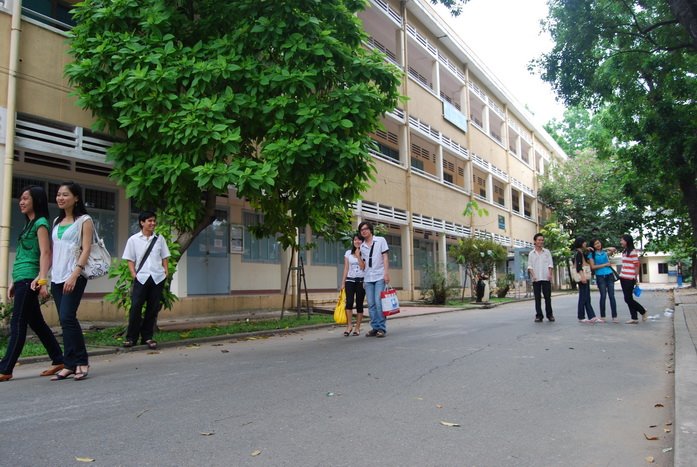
(606, 286)
(372, 291)
(73, 340)
(584, 301)
(27, 312)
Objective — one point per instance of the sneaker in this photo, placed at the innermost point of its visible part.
(645, 316)
(615, 320)
(597, 320)
(585, 321)
(632, 321)
(551, 319)
(538, 320)
(371, 333)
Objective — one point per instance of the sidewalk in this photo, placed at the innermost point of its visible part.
(685, 324)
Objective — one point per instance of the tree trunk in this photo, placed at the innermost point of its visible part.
(185, 238)
(688, 187)
(686, 13)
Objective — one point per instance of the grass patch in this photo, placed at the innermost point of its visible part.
(113, 336)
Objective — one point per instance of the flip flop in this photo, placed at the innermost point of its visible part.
(63, 374)
(152, 345)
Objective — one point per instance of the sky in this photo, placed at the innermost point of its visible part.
(516, 24)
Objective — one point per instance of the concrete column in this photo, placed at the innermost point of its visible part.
(439, 162)
(489, 188)
(442, 253)
(407, 261)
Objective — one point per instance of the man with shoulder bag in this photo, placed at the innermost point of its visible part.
(147, 255)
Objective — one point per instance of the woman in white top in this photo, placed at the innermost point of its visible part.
(352, 282)
(67, 282)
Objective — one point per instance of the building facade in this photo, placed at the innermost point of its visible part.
(458, 137)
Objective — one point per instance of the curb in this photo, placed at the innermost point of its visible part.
(685, 388)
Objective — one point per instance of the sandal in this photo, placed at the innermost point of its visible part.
(80, 374)
(357, 332)
(63, 374)
(52, 370)
(152, 345)
(128, 344)
(348, 332)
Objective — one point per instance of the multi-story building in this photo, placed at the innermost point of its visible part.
(460, 136)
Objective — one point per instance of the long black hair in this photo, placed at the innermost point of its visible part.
(630, 244)
(79, 209)
(355, 236)
(39, 202)
(578, 243)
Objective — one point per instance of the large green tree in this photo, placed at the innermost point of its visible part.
(275, 100)
(635, 61)
(587, 197)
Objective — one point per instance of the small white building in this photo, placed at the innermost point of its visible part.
(655, 269)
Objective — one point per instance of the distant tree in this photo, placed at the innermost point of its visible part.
(587, 197)
(478, 256)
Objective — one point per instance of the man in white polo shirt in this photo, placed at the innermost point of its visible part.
(540, 267)
(147, 255)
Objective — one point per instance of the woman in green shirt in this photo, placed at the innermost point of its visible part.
(29, 276)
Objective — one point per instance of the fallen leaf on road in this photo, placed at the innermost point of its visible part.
(84, 459)
(207, 433)
(225, 351)
(142, 412)
(451, 424)
(667, 430)
(653, 426)
(255, 453)
(193, 346)
(650, 459)
(650, 438)
(439, 406)
(658, 405)
(669, 423)
(419, 398)
(667, 449)
(154, 352)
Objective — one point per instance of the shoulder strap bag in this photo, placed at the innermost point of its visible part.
(99, 260)
(147, 253)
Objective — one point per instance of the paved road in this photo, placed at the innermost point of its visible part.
(524, 394)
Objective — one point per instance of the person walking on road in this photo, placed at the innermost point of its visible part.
(540, 267)
(29, 276)
(629, 277)
(67, 282)
(584, 287)
(147, 255)
(604, 277)
(352, 282)
(374, 251)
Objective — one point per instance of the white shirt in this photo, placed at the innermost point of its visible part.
(65, 251)
(375, 269)
(136, 246)
(540, 263)
(354, 270)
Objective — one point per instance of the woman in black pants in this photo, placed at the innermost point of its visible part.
(629, 276)
(352, 282)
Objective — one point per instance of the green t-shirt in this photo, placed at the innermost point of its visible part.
(28, 253)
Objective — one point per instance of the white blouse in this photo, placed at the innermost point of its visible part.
(64, 252)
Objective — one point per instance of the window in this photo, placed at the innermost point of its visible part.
(55, 13)
(644, 268)
(327, 253)
(663, 268)
(100, 204)
(448, 178)
(259, 250)
(395, 253)
(417, 164)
